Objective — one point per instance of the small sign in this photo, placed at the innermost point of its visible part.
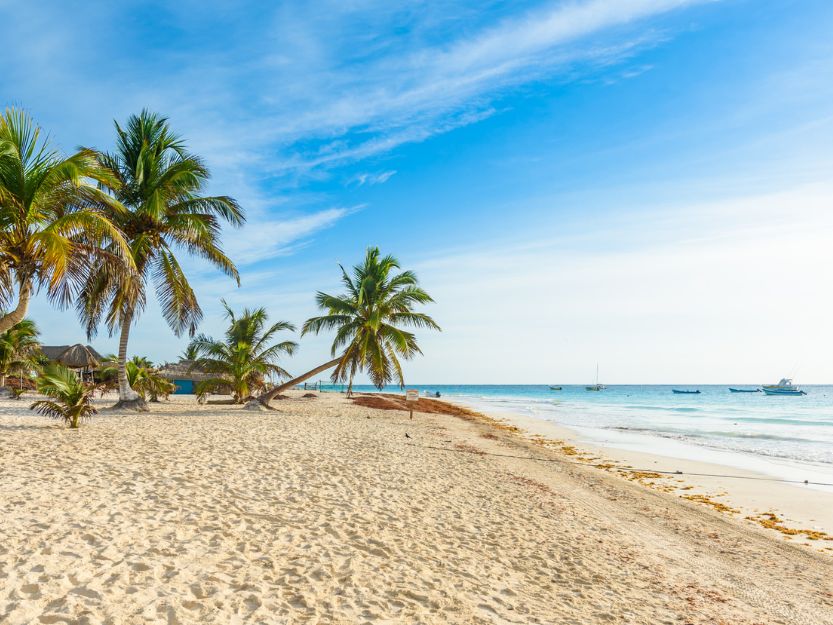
(412, 395)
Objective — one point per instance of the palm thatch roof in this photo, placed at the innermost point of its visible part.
(183, 370)
(76, 356)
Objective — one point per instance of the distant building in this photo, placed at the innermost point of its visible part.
(184, 376)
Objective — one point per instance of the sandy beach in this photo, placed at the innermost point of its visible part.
(329, 512)
(750, 495)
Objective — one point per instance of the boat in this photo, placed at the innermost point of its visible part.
(555, 388)
(596, 386)
(744, 390)
(784, 391)
(784, 387)
(677, 391)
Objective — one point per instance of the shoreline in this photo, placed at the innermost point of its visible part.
(754, 495)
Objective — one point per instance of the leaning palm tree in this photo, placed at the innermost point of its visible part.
(160, 183)
(245, 357)
(368, 319)
(19, 348)
(70, 397)
(53, 219)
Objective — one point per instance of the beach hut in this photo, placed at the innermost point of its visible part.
(184, 375)
(82, 358)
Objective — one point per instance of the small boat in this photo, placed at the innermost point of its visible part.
(744, 390)
(677, 391)
(784, 391)
(555, 388)
(596, 386)
(784, 387)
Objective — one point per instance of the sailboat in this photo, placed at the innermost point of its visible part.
(596, 386)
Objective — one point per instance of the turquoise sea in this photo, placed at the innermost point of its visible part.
(790, 437)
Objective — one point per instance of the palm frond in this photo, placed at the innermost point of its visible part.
(369, 319)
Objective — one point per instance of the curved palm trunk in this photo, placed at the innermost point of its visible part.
(128, 398)
(264, 398)
(12, 318)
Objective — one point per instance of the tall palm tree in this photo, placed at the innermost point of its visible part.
(19, 347)
(160, 183)
(53, 219)
(368, 319)
(71, 399)
(246, 356)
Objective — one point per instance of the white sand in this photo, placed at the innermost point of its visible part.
(751, 493)
(325, 512)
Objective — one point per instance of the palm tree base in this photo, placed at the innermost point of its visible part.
(135, 405)
(257, 405)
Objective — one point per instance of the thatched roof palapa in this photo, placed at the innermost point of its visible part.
(76, 356)
(184, 370)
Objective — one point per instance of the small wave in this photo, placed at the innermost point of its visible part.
(782, 421)
(714, 434)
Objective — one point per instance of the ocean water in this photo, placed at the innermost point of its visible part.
(790, 437)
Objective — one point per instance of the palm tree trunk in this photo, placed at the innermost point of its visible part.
(264, 398)
(128, 398)
(11, 319)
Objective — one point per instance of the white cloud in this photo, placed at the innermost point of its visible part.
(372, 179)
(660, 296)
(268, 238)
(311, 87)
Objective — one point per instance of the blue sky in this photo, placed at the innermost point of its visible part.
(646, 184)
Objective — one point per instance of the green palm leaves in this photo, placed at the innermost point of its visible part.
(19, 348)
(369, 319)
(160, 183)
(70, 398)
(142, 376)
(246, 356)
(54, 218)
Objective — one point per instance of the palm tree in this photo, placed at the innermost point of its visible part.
(53, 219)
(160, 183)
(19, 347)
(70, 396)
(246, 356)
(142, 376)
(189, 353)
(368, 320)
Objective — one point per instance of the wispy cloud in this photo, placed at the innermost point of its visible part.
(310, 86)
(371, 179)
(267, 238)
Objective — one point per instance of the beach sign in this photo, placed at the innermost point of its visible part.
(412, 394)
